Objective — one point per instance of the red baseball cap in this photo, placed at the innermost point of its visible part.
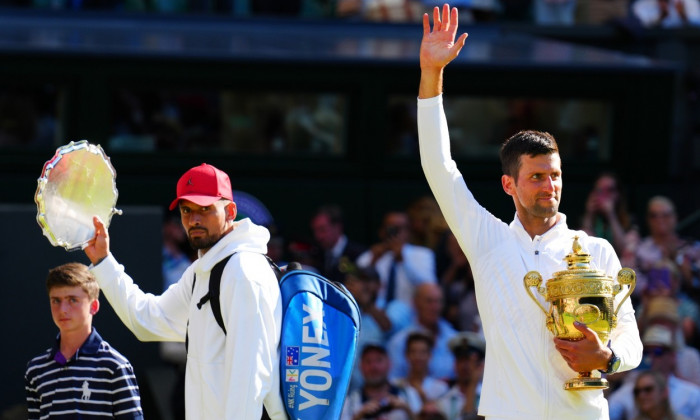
(203, 185)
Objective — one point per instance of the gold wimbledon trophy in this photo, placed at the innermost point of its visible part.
(582, 294)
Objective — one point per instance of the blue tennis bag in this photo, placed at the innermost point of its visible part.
(320, 324)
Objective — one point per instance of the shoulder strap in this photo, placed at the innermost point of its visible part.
(214, 290)
(212, 296)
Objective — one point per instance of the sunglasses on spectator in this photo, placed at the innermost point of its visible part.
(643, 390)
(655, 351)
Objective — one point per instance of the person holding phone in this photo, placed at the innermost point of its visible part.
(400, 265)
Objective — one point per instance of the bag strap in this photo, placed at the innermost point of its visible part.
(211, 295)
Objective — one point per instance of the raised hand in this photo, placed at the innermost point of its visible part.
(438, 47)
(97, 248)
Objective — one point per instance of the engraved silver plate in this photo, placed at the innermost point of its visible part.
(75, 185)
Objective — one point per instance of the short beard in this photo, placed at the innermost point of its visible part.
(545, 211)
(203, 242)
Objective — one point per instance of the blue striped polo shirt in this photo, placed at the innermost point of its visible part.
(96, 383)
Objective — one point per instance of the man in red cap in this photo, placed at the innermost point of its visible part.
(228, 375)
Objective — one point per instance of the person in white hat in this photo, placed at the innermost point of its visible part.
(462, 400)
(659, 356)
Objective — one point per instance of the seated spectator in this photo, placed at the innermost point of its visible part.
(428, 303)
(659, 356)
(554, 12)
(667, 264)
(651, 398)
(667, 13)
(378, 398)
(606, 214)
(425, 222)
(430, 412)
(331, 242)
(363, 285)
(419, 348)
(663, 310)
(597, 12)
(458, 287)
(400, 265)
(461, 402)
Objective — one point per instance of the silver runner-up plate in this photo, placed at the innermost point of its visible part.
(75, 185)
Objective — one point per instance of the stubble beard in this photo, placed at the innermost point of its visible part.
(204, 242)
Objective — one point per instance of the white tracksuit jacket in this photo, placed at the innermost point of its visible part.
(228, 376)
(524, 373)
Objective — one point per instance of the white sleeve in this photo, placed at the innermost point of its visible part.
(475, 228)
(149, 317)
(252, 309)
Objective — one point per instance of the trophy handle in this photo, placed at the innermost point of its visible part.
(534, 279)
(625, 276)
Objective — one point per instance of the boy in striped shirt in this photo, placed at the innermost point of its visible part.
(81, 376)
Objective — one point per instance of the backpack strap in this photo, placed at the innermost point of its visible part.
(212, 296)
(214, 290)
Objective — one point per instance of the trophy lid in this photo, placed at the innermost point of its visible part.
(578, 259)
(579, 265)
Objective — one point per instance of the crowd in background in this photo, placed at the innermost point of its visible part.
(647, 13)
(421, 347)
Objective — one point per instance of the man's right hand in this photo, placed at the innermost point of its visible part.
(97, 248)
(438, 48)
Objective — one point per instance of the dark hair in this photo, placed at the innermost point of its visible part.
(417, 337)
(373, 347)
(332, 211)
(529, 142)
(73, 274)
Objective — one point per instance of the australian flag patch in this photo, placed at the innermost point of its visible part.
(292, 356)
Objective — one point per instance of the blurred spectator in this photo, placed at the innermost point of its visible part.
(462, 400)
(428, 303)
(430, 412)
(597, 12)
(177, 253)
(426, 222)
(659, 356)
(392, 10)
(400, 265)
(554, 12)
(177, 256)
(332, 244)
(663, 310)
(363, 285)
(667, 264)
(667, 13)
(458, 286)
(606, 214)
(378, 398)
(651, 398)
(418, 352)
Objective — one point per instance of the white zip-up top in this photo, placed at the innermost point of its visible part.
(227, 376)
(524, 374)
